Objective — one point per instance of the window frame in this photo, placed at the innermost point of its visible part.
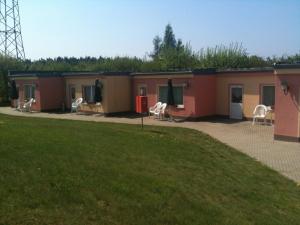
(91, 94)
(32, 93)
(262, 93)
(180, 106)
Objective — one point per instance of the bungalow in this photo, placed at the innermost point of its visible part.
(287, 101)
(115, 91)
(199, 93)
(47, 88)
(207, 92)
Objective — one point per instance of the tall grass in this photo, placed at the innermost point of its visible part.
(232, 56)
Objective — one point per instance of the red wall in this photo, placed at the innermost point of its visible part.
(20, 83)
(198, 97)
(52, 93)
(205, 92)
(286, 110)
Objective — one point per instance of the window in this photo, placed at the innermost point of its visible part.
(73, 93)
(177, 92)
(29, 91)
(89, 93)
(268, 95)
(236, 95)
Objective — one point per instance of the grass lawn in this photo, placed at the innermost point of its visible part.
(72, 172)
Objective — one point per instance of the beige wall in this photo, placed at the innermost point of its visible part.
(118, 96)
(299, 113)
(115, 93)
(251, 83)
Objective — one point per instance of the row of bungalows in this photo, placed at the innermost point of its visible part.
(54, 91)
(198, 93)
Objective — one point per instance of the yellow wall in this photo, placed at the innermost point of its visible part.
(115, 93)
(251, 86)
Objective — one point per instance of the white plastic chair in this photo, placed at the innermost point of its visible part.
(27, 106)
(260, 112)
(19, 107)
(160, 111)
(153, 108)
(76, 104)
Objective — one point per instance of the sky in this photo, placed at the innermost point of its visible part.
(79, 28)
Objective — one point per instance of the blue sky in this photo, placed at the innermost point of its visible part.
(54, 28)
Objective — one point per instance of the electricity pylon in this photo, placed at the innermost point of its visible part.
(11, 42)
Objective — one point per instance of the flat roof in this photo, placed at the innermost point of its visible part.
(67, 74)
(63, 73)
(205, 71)
(34, 73)
(208, 71)
(246, 70)
(286, 66)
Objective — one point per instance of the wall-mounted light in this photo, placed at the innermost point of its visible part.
(285, 87)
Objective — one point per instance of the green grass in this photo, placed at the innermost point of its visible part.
(71, 172)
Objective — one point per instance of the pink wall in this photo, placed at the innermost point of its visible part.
(198, 97)
(52, 93)
(20, 83)
(49, 92)
(286, 110)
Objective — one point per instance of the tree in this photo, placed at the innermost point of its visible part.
(6, 64)
(179, 45)
(169, 38)
(171, 53)
(156, 46)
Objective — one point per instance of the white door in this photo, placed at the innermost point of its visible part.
(236, 102)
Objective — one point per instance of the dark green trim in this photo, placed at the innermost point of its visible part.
(287, 66)
(163, 73)
(15, 74)
(71, 74)
(246, 70)
(286, 138)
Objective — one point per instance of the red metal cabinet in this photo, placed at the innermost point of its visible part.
(141, 104)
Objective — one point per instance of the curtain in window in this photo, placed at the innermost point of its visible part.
(29, 92)
(89, 93)
(177, 92)
(163, 94)
(268, 95)
(26, 92)
(178, 95)
(33, 91)
(73, 93)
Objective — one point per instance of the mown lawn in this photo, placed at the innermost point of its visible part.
(67, 172)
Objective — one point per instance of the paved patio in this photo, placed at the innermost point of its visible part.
(255, 141)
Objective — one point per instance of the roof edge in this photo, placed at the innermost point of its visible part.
(162, 73)
(286, 66)
(86, 73)
(246, 70)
